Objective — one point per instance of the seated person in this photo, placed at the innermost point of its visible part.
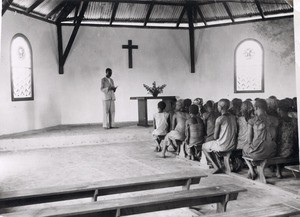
(186, 105)
(161, 124)
(209, 118)
(287, 139)
(194, 128)
(199, 102)
(262, 133)
(178, 126)
(224, 135)
(236, 107)
(272, 103)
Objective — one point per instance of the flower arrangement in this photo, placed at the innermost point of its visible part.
(154, 90)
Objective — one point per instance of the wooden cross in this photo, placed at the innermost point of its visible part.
(130, 47)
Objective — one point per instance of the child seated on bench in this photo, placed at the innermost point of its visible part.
(262, 134)
(161, 124)
(287, 138)
(224, 135)
(178, 125)
(194, 128)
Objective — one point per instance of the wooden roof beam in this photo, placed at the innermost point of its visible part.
(116, 4)
(76, 13)
(75, 30)
(56, 9)
(228, 11)
(181, 16)
(191, 36)
(148, 14)
(5, 5)
(261, 12)
(34, 5)
(201, 15)
(66, 11)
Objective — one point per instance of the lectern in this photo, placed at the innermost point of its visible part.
(142, 106)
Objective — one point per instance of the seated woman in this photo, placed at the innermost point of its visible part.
(178, 126)
(209, 118)
(262, 133)
(194, 128)
(161, 124)
(287, 138)
(236, 107)
(224, 135)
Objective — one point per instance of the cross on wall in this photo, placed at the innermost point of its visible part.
(130, 47)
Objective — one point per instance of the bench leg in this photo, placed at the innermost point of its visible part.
(296, 174)
(118, 213)
(222, 206)
(96, 194)
(251, 170)
(226, 163)
(187, 185)
(260, 171)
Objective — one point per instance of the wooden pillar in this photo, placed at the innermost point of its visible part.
(143, 113)
(192, 37)
(60, 49)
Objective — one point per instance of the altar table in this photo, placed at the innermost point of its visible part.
(142, 107)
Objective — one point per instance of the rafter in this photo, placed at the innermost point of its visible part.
(148, 14)
(5, 5)
(66, 11)
(181, 16)
(76, 13)
(191, 35)
(259, 9)
(60, 49)
(75, 30)
(112, 18)
(56, 9)
(228, 11)
(201, 15)
(34, 5)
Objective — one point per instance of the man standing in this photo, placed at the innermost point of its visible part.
(108, 88)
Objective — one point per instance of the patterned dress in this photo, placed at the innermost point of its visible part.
(287, 139)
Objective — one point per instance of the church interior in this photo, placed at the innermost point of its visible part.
(56, 157)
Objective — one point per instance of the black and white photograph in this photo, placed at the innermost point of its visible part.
(149, 108)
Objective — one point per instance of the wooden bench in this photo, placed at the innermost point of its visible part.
(261, 164)
(283, 209)
(141, 204)
(95, 189)
(295, 170)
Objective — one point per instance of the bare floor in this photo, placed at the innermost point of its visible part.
(87, 153)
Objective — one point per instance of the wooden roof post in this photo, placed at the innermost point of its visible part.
(191, 34)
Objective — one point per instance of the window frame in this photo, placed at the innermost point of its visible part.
(13, 98)
(262, 90)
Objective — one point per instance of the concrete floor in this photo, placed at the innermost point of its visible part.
(85, 153)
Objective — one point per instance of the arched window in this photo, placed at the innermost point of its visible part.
(21, 69)
(249, 67)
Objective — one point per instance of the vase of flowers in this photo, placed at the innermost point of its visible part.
(154, 90)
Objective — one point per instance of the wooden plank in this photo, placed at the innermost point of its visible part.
(191, 36)
(275, 210)
(261, 12)
(59, 193)
(228, 11)
(34, 5)
(201, 15)
(112, 18)
(144, 203)
(181, 16)
(68, 8)
(148, 14)
(5, 5)
(74, 32)
(56, 9)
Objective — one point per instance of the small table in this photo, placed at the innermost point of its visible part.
(142, 107)
(295, 170)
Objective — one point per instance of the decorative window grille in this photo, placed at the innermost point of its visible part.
(21, 69)
(249, 67)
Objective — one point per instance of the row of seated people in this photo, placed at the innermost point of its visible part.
(262, 129)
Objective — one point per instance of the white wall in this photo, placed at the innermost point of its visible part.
(44, 111)
(163, 56)
(297, 53)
